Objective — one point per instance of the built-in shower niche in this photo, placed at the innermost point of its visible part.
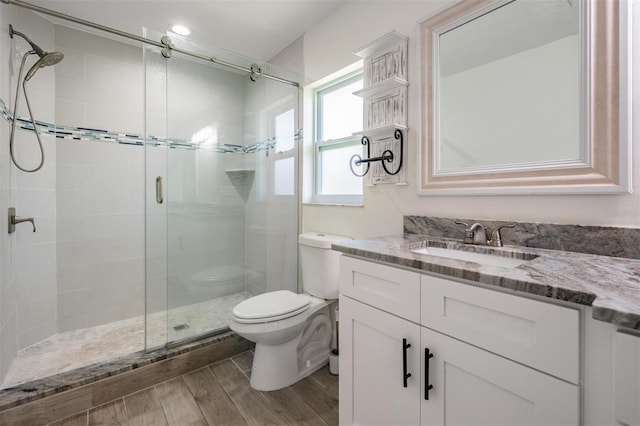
(242, 181)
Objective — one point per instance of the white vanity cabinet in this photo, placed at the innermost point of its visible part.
(490, 364)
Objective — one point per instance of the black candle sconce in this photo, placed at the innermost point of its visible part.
(387, 156)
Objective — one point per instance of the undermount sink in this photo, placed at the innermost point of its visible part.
(489, 259)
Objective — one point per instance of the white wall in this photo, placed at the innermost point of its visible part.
(328, 48)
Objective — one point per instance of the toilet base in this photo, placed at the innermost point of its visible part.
(269, 375)
(276, 367)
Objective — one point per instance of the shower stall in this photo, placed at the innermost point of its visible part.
(169, 194)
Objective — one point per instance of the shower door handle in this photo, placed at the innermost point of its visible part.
(159, 198)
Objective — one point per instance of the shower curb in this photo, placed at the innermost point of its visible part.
(62, 395)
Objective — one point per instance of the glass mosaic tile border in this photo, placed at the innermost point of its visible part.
(98, 135)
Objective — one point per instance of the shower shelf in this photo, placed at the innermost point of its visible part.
(239, 173)
(239, 170)
(240, 176)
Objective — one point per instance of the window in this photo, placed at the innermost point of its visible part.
(338, 114)
(282, 157)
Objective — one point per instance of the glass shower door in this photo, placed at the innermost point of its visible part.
(205, 195)
(222, 156)
(156, 154)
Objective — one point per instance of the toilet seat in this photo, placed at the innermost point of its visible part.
(271, 306)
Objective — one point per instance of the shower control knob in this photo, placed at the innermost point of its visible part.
(14, 220)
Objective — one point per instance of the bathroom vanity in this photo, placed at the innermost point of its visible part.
(476, 335)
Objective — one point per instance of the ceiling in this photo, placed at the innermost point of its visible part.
(258, 29)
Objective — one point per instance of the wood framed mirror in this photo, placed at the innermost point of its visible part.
(526, 97)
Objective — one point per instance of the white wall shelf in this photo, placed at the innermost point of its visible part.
(384, 58)
(383, 86)
(384, 129)
(384, 95)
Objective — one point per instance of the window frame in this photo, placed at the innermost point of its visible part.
(319, 144)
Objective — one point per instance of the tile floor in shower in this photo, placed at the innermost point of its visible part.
(67, 351)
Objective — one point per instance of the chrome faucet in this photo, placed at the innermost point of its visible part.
(474, 234)
(14, 220)
(477, 234)
(496, 238)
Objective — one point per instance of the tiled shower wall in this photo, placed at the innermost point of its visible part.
(8, 341)
(206, 211)
(28, 260)
(100, 185)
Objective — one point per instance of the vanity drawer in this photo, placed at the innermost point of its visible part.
(394, 290)
(541, 335)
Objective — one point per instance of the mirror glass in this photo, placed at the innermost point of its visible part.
(508, 89)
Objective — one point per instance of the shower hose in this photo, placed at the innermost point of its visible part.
(33, 121)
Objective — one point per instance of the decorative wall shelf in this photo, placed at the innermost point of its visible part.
(384, 58)
(385, 110)
(383, 86)
(384, 129)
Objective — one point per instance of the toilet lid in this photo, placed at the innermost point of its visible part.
(271, 306)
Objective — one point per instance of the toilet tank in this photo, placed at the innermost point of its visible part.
(320, 264)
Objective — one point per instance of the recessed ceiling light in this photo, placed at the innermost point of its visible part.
(181, 30)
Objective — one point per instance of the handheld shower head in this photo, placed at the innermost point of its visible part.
(46, 58)
(50, 58)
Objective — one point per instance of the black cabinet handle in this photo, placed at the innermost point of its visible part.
(427, 387)
(405, 375)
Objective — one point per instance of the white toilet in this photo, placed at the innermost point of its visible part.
(292, 331)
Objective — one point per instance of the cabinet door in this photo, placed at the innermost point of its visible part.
(474, 387)
(372, 391)
(627, 379)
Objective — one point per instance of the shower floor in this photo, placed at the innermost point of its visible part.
(70, 350)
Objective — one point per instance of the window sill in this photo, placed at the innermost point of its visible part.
(333, 204)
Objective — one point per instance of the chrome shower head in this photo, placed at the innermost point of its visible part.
(50, 58)
(46, 58)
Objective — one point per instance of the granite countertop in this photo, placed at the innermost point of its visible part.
(610, 285)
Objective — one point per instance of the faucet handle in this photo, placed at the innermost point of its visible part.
(468, 233)
(496, 238)
(14, 220)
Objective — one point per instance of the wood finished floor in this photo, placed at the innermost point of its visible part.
(219, 394)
